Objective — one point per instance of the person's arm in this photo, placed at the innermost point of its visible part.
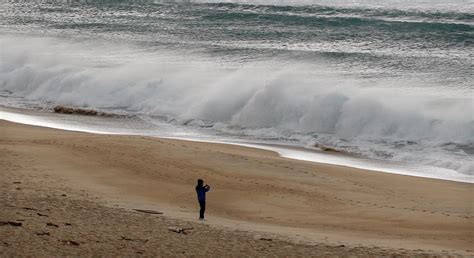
(207, 187)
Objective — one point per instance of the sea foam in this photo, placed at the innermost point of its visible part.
(293, 100)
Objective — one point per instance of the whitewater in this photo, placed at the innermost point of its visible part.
(376, 81)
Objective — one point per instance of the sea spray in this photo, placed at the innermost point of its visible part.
(258, 95)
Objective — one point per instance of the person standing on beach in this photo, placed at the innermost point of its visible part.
(201, 190)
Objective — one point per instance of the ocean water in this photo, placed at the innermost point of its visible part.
(385, 80)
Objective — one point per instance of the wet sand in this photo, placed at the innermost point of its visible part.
(94, 182)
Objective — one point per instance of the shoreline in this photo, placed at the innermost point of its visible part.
(253, 190)
(37, 118)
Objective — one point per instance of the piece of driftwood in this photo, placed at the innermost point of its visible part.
(134, 239)
(42, 215)
(180, 230)
(70, 242)
(42, 233)
(11, 223)
(266, 239)
(148, 211)
(52, 225)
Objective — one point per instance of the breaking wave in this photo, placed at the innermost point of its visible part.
(274, 97)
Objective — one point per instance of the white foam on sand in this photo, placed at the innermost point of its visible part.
(292, 152)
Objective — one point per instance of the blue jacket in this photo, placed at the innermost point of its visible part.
(201, 192)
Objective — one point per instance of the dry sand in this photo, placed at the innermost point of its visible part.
(87, 186)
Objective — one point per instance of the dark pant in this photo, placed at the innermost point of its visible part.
(202, 204)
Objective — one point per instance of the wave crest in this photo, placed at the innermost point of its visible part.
(291, 97)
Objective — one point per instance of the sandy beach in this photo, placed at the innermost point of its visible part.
(74, 194)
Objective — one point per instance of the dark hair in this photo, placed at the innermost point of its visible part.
(200, 182)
